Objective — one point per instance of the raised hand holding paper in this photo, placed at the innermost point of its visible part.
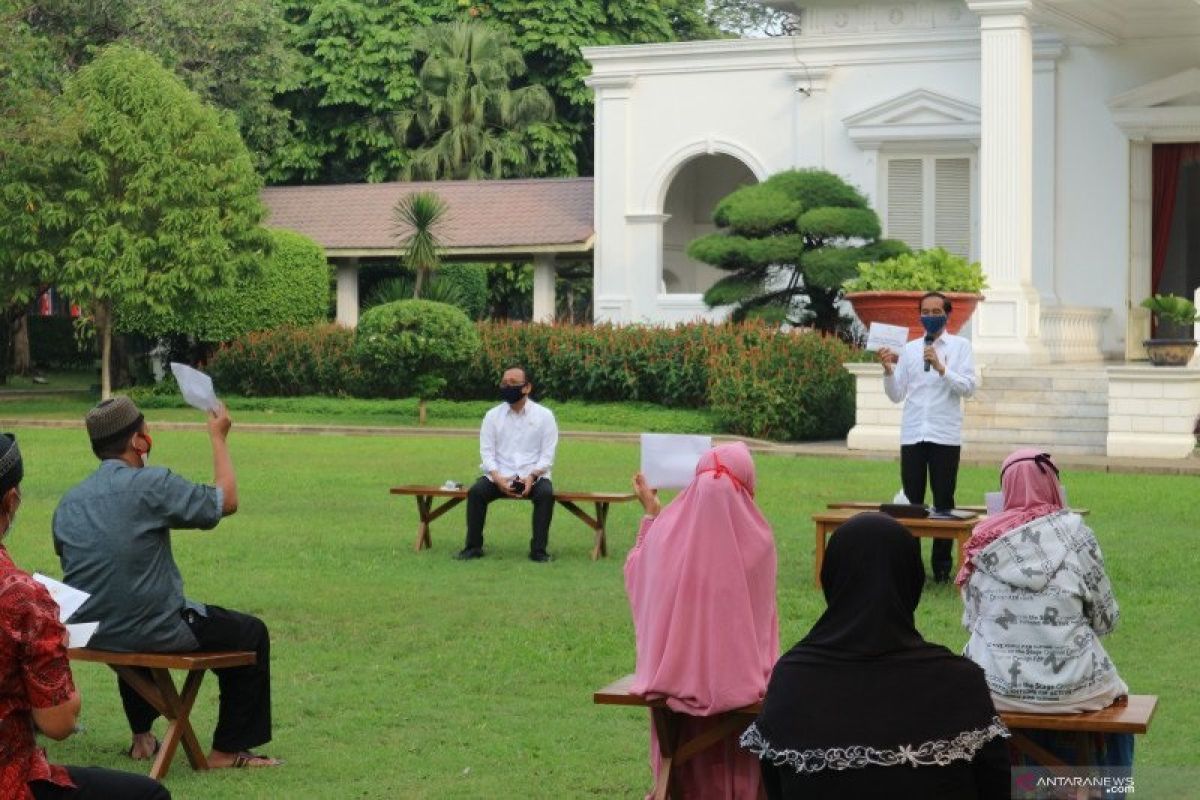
(893, 337)
(669, 460)
(196, 387)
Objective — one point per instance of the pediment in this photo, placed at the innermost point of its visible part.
(919, 106)
(919, 115)
(1179, 90)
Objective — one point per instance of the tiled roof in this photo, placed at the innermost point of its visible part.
(505, 216)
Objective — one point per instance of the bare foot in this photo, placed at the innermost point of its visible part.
(144, 747)
(219, 759)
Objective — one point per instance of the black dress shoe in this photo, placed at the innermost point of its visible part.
(542, 557)
(468, 553)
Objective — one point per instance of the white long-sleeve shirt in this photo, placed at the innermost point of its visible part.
(515, 443)
(932, 404)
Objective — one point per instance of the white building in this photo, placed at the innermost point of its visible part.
(1021, 133)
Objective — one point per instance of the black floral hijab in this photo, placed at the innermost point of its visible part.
(863, 688)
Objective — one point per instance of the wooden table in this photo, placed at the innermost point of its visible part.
(159, 691)
(828, 521)
(863, 505)
(1131, 716)
(425, 496)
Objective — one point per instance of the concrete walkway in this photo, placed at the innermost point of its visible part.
(978, 456)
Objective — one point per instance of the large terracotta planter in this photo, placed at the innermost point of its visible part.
(904, 308)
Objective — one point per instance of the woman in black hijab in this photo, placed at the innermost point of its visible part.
(863, 707)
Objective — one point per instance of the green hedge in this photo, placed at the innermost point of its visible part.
(758, 381)
(291, 287)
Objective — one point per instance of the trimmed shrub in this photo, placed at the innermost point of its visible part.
(470, 282)
(52, 343)
(783, 386)
(292, 287)
(414, 347)
(289, 362)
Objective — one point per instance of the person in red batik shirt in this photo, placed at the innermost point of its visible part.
(36, 691)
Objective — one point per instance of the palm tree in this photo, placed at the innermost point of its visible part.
(417, 217)
(467, 121)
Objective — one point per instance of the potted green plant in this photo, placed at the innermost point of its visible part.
(1171, 310)
(890, 290)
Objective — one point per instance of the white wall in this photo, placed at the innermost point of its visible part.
(1091, 252)
(740, 98)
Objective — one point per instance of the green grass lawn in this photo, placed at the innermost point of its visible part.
(401, 674)
(638, 417)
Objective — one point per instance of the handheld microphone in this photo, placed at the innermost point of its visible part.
(928, 341)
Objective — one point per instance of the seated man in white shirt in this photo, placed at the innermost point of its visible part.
(931, 376)
(516, 443)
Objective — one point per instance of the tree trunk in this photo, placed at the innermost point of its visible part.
(421, 413)
(104, 331)
(22, 363)
(417, 284)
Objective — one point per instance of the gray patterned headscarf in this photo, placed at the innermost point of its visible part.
(11, 468)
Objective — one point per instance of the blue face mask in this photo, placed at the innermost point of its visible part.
(933, 325)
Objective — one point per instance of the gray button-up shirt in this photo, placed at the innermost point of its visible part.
(112, 533)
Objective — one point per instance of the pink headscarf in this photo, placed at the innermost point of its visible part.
(1031, 490)
(701, 584)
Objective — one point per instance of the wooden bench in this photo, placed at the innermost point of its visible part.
(830, 520)
(1131, 716)
(160, 692)
(864, 505)
(425, 496)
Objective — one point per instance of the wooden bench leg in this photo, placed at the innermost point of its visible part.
(666, 730)
(160, 692)
(428, 514)
(601, 547)
(423, 539)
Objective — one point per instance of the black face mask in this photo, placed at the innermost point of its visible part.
(512, 394)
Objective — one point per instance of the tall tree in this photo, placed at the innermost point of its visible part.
(468, 121)
(751, 18)
(155, 203)
(418, 217)
(233, 53)
(29, 81)
(790, 243)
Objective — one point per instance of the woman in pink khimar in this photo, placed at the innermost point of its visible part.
(701, 585)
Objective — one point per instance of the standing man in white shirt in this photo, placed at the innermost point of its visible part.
(933, 374)
(516, 443)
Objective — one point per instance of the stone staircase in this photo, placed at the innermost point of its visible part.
(1062, 408)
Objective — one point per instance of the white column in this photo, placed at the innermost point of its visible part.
(347, 293)
(1007, 325)
(614, 152)
(876, 417)
(543, 287)
(1141, 233)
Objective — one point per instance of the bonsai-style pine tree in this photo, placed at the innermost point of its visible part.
(789, 244)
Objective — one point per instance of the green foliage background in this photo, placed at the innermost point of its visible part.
(291, 286)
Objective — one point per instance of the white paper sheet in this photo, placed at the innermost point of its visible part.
(69, 598)
(893, 337)
(196, 387)
(994, 502)
(669, 459)
(80, 633)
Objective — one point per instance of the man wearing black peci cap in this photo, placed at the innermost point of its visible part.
(113, 535)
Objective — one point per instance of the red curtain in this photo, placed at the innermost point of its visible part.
(1168, 160)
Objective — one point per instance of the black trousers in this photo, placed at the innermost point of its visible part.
(483, 492)
(244, 713)
(940, 463)
(93, 783)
